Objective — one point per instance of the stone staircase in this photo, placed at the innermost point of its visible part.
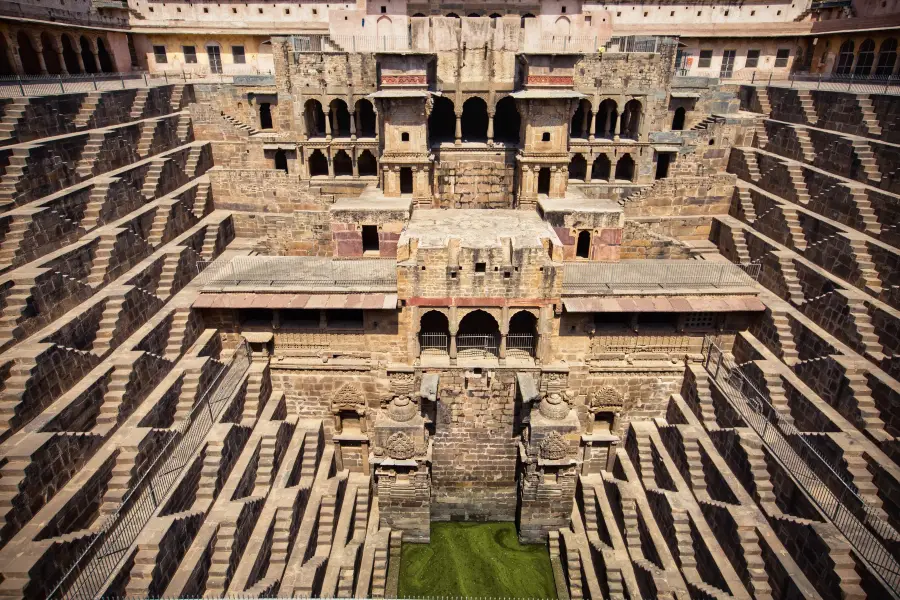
(12, 475)
(190, 165)
(792, 222)
(704, 396)
(807, 150)
(87, 109)
(102, 258)
(151, 180)
(752, 164)
(870, 118)
(791, 279)
(103, 342)
(89, 154)
(201, 199)
(11, 117)
(866, 159)
(281, 540)
(166, 284)
(762, 96)
(177, 333)
(789, 352)
(176, 97)
(868, 415)
(190, 388)
(160, 219)
(148, 130)
(140, 101)
(253, 400)
(808, 106)
(795, 171)
(859, 314)
(763, 491)
(864, 208)
(208, 252)
(761, 136)
(379, 570)
(239, 125)
(16, 305)
(114, 397)
(695, 466)
(18, 161)
(96, 200)
(265, 467)
(775, 389)
(19, 225)
(746, 203)
(120, 481)
(870, 278)
(208, 485)
(327, 511)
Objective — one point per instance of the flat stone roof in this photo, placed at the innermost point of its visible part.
(372, 199)
(579, 204)
(477, 228)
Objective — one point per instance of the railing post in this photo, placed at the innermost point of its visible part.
(62, 88)
(770, 80)
(21, 87)
(718, 364)
(122, 78)
(94, 79)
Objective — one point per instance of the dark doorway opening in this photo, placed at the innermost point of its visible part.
(265, 116)
(366, 123)
(315, 118)
(678, 119)
(578, 167)
(51, 58)
(441, 121)
(106, 64)
(281, 160)
(583, 247)
(544, 180)
(28, 55)
(601, 168)
(340, 118)
(87, 56)
(406, 180)
(342, 163)
(507, 121)
(370, 238)
(474, 120)
(318, 164)
(70, 57)
(663, 160)
(625, 168)
(366, 165)
(5, 67)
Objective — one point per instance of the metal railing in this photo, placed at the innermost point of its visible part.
(301, 271)
(862, 525)
(16, 86)
(478, 344)
(93, 567)
(434, 343)
(603, 278)
(871, 83)
(638, 43)
(520, 344)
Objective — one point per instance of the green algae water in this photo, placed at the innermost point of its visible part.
(475, 559)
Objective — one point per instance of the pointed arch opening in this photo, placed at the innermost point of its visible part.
(631, 119)
(579, 124)
(318, 164)
(51, 58)
(845, 58)
(366, 164)
(106, 63)
(887, 57)
(866, 59)
(625, 168)
(507, 121)
(578, 168)
(365, 119)
(315, 118)
(607, 116)
(87, 57)
(70, 56)
(28, 55)
(441, 121)
(474, 120)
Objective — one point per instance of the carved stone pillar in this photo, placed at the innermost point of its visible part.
(59, 52)
(606, 116)
(591, 125)
(328, 124)
(490, 131)
(458, 136)
(330, 163)
(355, 165)
(353, 125)
(39, 49)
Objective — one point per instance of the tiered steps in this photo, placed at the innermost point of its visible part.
(796, 173)
(240, 125)
(746, 201)
(785, 337)
(103, 341)
(18, 227)
(807, 151)
(871, 278)
(791, 279)
(102, 258)
(792, 221)
(169, 272)
(11, 117)
(190, 165)
(140, 100)
(16, 303)
(870, 118)
(120, 481)
(177, 333)
(808, 106)
(18, 160)
(866, 159)
(96, 200)
(151, 181)
(865, 210)
(115, 395)
(87, 109)
(148, 129)
(763, 491)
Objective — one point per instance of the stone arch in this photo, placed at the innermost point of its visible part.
(434, 332)
(51, 58)
(865, 59)
(522, 334)
(522, 20)
(601, 168)
(367, 166)
(844, 63)
(678, 119)
(366, 122)
(28, 55)
(631, 119)
(315, 118)
(87, 57)
(578, 167)
(318, 164)
(580, 118)
(383, 27)
(106, 63)
(5, 67)
(474, 15)
(625, 168)
(452, 16)
(418, 15)
(342, 163)
(562, 27)
(495, 15)
(70, 56)
(507, 121)
(607, 115)
(887, 57)
(348, 405)
(340, 118)
(474, 120)
(441, 121)
(478, 334)
(583, 244)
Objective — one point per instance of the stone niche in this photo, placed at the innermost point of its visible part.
(404, 70)
(550, 70)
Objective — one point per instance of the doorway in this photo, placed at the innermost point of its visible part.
(544, 181)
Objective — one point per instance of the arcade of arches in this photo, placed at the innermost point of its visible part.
(49, 52)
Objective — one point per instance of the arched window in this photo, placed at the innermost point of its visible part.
(418, 15)
(474, 15)
(631, 119)
(28, 54)
(342, 163)
(70, 56)
(845, 59)
(474, 120)
(315, 118)
(434, 333)
(340, 118)
(265, 116)
(90, 66)
(583, 247)
(563, 26)
(478, 335)
(495, 15)
(544, 180)
(365, 119)
(507, 121)
(522, 337)
(5, 67)
(51, 58)
(678, 119)
(607, 116)
(404, 137)
(366, 164)
(887, 57)
(578, 167)
(441, 121)
(866, 58)
(625, 168)
(106, 63)
(318, 164)
(580, 120)
(601, 168)
(525, 16)
(452, 16)
(281, 161)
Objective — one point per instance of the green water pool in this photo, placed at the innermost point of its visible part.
(475, 559)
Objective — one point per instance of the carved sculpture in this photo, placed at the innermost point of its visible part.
(553, 447)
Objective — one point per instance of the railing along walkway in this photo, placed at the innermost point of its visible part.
(864, 529)
(100, 560)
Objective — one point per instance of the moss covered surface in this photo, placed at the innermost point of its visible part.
(475, 559)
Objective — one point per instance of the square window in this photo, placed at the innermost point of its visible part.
(587, 20)
(726, 13)
(315, 12)
(752, 13)
(778, 13)
(151, 9)
(205, 10)
(618, 13)
(699, 13)
(564, 9)
(752, 59)
(645, 13)
(159, 53)
(287, 11)
(705, 59)
(671, 13)
(190, 55)
(178, 9)
(237, 53)
(781, 57)
(545, 137)
(260, 11)
(480, 267)
(234, 11)
(383, 9)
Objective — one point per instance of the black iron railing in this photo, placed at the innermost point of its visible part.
(833, 492)
(93, 567)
